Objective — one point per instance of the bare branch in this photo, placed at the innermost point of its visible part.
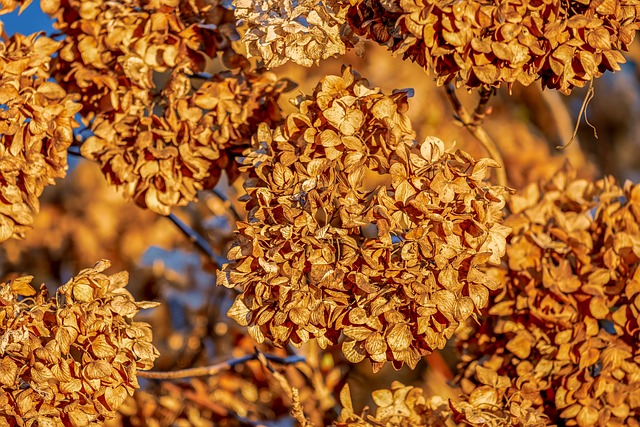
(210, 370)
(74, 150)
(474, 128)
(483, 109)
(197, 240)
(220, 195)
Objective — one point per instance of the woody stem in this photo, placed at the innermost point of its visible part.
(217, 368)
(197, 240)
(477, 131)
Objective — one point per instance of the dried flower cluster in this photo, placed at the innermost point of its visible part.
(158, 137)
(72, 359)
(494, 402)
(36, 128)
(408, 406)
(400, 405)
(307, 266)
(300, 31)
(486, 43)
(162, 161)
(566, 327)
(115, 54)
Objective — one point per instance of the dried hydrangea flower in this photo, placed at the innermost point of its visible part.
(300, 31)
(394, 268)
(36, 128)
(482, 43)
(162, 161)
(159, 136)
(565, 327)
(71, 359)
(408, 406)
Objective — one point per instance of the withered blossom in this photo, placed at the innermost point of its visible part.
(8, 6)
(162, 161)
(36, 128)
(71, 359)
(565, 328)
(565, 44)
(303, 259)
(158, 136)
(303, 32)
(409, 406)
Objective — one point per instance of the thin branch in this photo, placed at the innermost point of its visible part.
(223, 197)
(189, 232)
(74, 150)
(203, 76)
(217, 368)
(483, 109)
(292, 392)
(478, 132)
(197, 240)
(583, 112)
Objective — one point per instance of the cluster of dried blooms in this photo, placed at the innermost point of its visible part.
(300, 31)
(396, 268)
(159, 136)
(407, 406)
(486, 43)
(494, 402)
(398, 406)
(71, 359)
(36, 128)
(162, 161)
(565, 328)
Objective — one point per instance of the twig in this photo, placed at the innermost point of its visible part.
(291, 392)
(483, 109)
(203, 76)
(583, 112)
(477, 131)
(223, 197)
(198, 240)
(217, 368)
(74, 150)
(191, 234)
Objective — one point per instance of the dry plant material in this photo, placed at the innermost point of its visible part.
(70, 360)
(565, 328)
(8, 6)
(408, 406)
(398, 406)
(565, 44)
(395, 269)
(495, 403)
(222, 400)
(162, 161)
(158, 137)
(36, 128)
(303, 32)
(249, 394)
